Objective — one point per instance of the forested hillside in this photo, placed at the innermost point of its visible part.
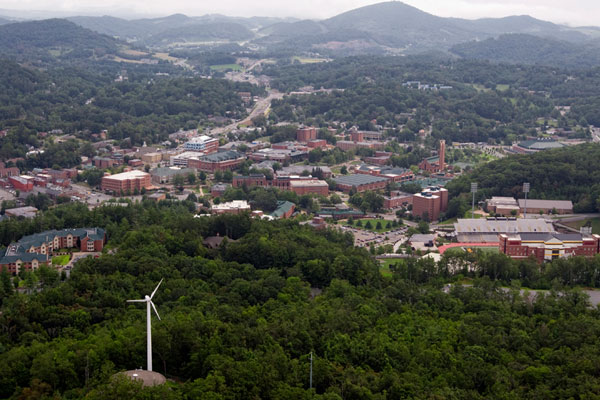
(239, 322)
(529, 49)
(144, 108)
(571, 173)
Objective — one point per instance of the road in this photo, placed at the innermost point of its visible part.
(260, 108)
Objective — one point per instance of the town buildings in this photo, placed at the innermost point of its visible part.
(35, 250)
(167, 175)
(232, 207)
(126, 182)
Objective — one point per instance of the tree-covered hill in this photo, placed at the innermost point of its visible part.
(529, 49)
(571, 173)
(47, 41)
(144, 108)
(201, 32)
(240, 321)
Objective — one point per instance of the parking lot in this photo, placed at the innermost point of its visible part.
(364, 238)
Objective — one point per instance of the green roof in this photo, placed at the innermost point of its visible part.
(282, 208)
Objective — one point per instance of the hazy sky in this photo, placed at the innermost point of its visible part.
(573, 12)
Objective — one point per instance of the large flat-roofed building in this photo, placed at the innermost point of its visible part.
(222, 161)
(486, 230)
(279, 155)
(348, 145)
(305, 170)
(183, 159)
(394, 174)
(534, 206)
(232, 207)
(166, 175)
(309, 186)
(202, 143)
(506, 206)
(397, 199)
(548, 246)
(533, 146)
(126, 181)
(23, 183)
(359, 182)
(430, 203)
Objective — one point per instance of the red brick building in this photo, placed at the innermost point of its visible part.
(548, 246)
(397, 199)
(430, 203)
(306, 134)
(313, 144)
(309, 186)
(126, 182)
(360, 182)
(21, 183)
(222, 161)
(435, 163)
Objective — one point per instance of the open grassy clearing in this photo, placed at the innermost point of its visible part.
(373, 222)
(595, 223)
(226, 67)
(308, 60)
(61, 260)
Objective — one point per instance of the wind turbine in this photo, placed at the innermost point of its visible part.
(148, 300)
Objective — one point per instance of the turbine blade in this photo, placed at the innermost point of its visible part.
(153, 306)
(136, 301)
(152, 295)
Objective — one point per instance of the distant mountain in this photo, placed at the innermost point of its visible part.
(178, 27)
(529, 49)
(201, 32)
(53, 39)
(394, 26)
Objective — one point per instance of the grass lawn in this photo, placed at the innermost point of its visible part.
(448, 221)
(459, 250)
(384, 268)
(307, 60)
(479, 87)
(374, 224)
(61, 260)
(578, 224)
(225, 67)
(502, 88)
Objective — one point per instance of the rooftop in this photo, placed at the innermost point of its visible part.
(222, 156)
(358, 179)
(171, 171)
(549, 204)
(135, 174)
(235, 204)
(541, 144)
(308, 182)
(504, 225)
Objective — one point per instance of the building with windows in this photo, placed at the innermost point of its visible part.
(35, 250)
(232, 207)
(548, 246)
(535, 206)
(306, 134)
(435, 163)
(430, 203)
(202, 143)
(167, 175)
(221, 161)
(126, 182)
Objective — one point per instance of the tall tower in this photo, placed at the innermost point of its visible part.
(442, 155)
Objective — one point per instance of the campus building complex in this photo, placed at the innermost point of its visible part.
(548, 246)
(203, 143)
(32, 251)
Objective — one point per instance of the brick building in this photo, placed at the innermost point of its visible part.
(435, 163)
(34, 250)
(221, 161)
(360, 182)
(548, 246)
(126, 181)
(430, 203)
(306, 134)
(309, 186)
(397, 199)
(348, 145)
(23, 183)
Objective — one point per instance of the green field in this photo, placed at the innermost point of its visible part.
(226, 67)
(595, 223)
(479, 87)
(385, 266)
(502, 88)
(61, 260)
(307, 60)
(373, 223)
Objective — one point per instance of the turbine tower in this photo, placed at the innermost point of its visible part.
(148, 300)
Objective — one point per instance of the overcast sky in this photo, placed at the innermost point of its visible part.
(572, 12)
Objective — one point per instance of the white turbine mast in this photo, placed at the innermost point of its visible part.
(148, 300)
